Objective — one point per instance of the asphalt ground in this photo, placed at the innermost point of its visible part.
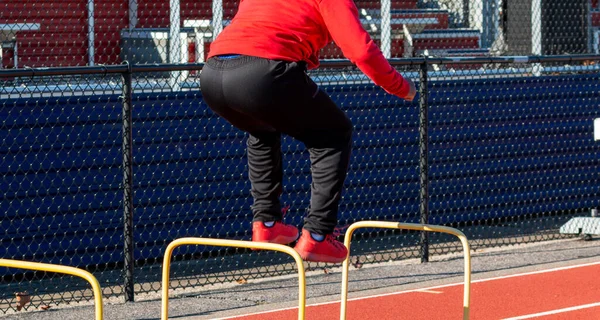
(323, 283)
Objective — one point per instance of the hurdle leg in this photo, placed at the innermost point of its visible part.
(407, 226)
(19, 264)
(236, 244)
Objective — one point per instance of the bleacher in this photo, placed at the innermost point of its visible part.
(62, 39)
(111, 17)
(414, 29)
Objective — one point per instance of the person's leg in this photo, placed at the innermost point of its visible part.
(298, 108)
(264, 157)
(283, 97)
(329, 146)
(266, 174)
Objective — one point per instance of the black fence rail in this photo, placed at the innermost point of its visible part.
(102, 166)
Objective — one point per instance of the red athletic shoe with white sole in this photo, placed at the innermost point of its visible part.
(279, 233)
(329, 250)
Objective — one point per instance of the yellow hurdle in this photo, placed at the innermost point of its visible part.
(407, 226)
(18, 264)
(237, 244)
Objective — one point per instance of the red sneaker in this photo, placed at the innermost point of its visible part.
(328, 250)
(280, 232)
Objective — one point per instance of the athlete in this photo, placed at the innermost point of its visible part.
(255, 78)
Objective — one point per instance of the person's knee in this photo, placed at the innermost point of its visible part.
(344, 133)
(339, 137)
(265, 138)
(348, 130)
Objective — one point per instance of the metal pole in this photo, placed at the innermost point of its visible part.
(466, 14)
(536, 34)
(386, 28)
(174, 32)
(91, 33)
(175, 43)
(128, 259)
(423, 159)
(217, 22)
(133, 14)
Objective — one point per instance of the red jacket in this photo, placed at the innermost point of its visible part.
(296, 30)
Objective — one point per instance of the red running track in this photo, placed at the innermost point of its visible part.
(563, 293)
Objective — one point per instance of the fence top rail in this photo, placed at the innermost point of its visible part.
(336, 63)
(481, 60)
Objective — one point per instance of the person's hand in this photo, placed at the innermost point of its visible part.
(412, 92)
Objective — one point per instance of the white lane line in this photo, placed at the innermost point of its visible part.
(547, 313)
(429, 288)
(430, 291)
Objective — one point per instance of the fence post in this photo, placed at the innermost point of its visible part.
(423, 159)
(128, 261)
(466, 8)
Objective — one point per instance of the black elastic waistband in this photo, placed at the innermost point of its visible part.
(230, 61)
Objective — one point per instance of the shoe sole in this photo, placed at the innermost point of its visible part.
(278, 240)
(315, 257)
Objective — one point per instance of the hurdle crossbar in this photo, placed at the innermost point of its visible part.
(407, 226)
(19, 264)
(237, 244)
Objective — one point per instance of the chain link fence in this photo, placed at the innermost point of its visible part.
(104, 164)
(60, 172)
(101, 167)
(49, 33)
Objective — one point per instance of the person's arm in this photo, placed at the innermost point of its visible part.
(343, 23)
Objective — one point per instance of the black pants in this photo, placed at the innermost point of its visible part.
(267, 98)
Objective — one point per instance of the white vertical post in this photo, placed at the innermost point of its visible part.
(590, 28)
(133, 14)
(174, 33)
(487, 27)
(217, 20)
(536, 33)
(199, 46)
(476, 15)
(91, 37)
(174, 41)
(386, 28)
(409, 46)
(16, 55)
(497, 8)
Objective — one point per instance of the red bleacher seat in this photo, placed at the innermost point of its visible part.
(596, 18)
(8, 56)
(52, 60)
(441, 16)
(446, 39)
(112, 16)
(332, 51)
(155, 13)
(60, 39)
